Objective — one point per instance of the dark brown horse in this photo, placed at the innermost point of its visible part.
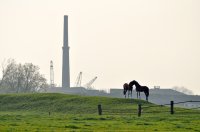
(127, 89)
(140, 88)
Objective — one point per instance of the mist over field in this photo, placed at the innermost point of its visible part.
(155, 42)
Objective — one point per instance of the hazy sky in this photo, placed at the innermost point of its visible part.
(156, 42)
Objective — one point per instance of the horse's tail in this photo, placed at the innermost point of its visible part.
(147, 91)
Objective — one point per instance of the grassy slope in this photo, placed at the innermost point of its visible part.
(20, 112)
(62, 103)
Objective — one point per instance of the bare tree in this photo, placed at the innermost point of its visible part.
(33, 80)
(22, 78)
(8, 81)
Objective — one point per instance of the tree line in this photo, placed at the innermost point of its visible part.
(21, 78)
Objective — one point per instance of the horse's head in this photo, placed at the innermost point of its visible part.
(124, 92)
(125, 86)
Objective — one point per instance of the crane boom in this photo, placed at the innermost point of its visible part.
(89, 84)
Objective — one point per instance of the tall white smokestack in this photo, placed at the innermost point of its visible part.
(65, 66)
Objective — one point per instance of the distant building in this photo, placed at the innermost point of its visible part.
(165, 91)
(157, 96)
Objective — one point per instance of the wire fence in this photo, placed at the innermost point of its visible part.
(119, 111)
(151, 109)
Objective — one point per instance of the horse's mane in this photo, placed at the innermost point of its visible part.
(134, 83)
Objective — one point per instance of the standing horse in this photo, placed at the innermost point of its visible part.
(140, 88)
(127, 88)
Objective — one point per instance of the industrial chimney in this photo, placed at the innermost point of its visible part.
(65, 65)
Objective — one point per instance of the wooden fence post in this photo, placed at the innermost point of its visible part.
(99, 109)
(172, 107)
(139, 110)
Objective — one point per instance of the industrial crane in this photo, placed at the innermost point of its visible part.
(89, 84)
(78, 80)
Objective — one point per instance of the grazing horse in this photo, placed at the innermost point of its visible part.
(140, 88)
(127, 88)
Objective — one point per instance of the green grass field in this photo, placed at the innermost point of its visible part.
(30, 112)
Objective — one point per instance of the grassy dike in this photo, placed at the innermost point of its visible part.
(30, 112)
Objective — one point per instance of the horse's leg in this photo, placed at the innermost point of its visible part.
(146, 98)
(146, 95)
(131, 94)
(139, 95)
